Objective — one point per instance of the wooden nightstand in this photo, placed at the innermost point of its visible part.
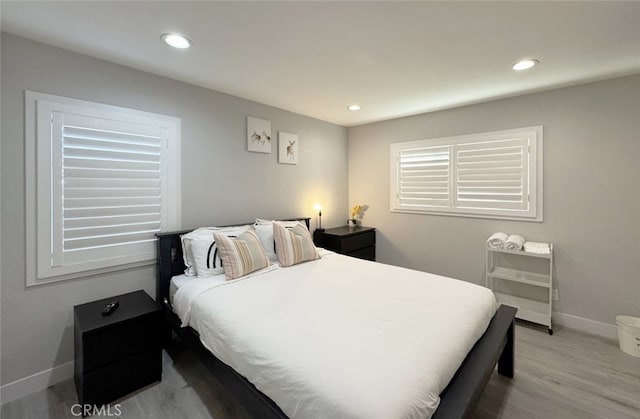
(119, 353)
(357, 241)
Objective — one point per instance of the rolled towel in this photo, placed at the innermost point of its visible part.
(540, 248)
(496, 241)
(514, 242)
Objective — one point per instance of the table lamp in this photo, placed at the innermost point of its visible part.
(318, 208)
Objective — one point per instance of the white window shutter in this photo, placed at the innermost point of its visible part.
(423, 177)
(492, 174)
(110, 183)
(104, 180)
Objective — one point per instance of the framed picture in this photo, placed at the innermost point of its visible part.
(287, 148)
(258, 135)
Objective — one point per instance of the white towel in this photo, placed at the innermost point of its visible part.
(514, 242)
(496, 241)
(540, 248)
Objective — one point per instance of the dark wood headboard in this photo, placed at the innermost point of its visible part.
(170, 262)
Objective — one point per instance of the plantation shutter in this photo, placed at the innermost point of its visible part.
(424, 177)
(493, 174)
(108, 182)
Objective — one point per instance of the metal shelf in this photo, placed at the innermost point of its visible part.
(523, 253)
(523, 277)
(535, 309)
(529, 310)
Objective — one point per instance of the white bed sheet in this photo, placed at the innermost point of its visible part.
(175, 283)
(181, 280)
(341, 337)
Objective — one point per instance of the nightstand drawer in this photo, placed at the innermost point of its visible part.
(110, 344)
(120, 378)
(368, 253)
(358, 241)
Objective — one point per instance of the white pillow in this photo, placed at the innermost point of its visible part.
(186, 240)
(264, 231)
(199, 250)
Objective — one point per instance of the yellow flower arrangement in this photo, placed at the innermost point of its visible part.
(357, 211)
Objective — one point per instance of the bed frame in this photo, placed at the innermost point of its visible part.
(457, 401)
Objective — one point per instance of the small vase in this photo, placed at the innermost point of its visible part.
(352, 222)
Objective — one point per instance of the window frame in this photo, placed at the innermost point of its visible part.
(534, 134)
(41, 203)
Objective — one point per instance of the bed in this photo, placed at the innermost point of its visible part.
(457, 400)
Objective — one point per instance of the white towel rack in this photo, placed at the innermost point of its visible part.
(530, 291)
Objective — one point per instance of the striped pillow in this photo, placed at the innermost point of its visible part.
(242, 255)
(293, 245)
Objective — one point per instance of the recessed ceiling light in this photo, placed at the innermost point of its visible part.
(525, 64)
(354, 107)
(176, 40)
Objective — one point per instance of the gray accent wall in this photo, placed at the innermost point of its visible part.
(591, 193)
(221, 182)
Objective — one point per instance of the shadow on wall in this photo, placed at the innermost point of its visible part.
(387, 251)
(66, 339)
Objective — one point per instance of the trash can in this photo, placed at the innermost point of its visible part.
(629, 334)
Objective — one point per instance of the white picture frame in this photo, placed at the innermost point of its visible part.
(258, 135)
(288, 146)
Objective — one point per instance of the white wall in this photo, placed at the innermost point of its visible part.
(591, 193)
(221, 183)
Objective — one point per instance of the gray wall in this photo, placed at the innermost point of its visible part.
(591, 193)
(221, 182)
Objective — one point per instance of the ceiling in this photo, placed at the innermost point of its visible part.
(316, 58)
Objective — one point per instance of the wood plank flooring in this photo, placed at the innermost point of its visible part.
(565, 376)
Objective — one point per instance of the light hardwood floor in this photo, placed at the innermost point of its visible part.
(565, 376)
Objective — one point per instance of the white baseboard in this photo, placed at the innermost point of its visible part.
(585, 325)
(36, 382)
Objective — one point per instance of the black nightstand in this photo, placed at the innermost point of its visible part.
(357, 241)
(119, 353)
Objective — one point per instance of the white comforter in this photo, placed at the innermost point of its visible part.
(341, 337)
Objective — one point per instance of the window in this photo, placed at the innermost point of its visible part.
(490, 175)
(101, 181)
